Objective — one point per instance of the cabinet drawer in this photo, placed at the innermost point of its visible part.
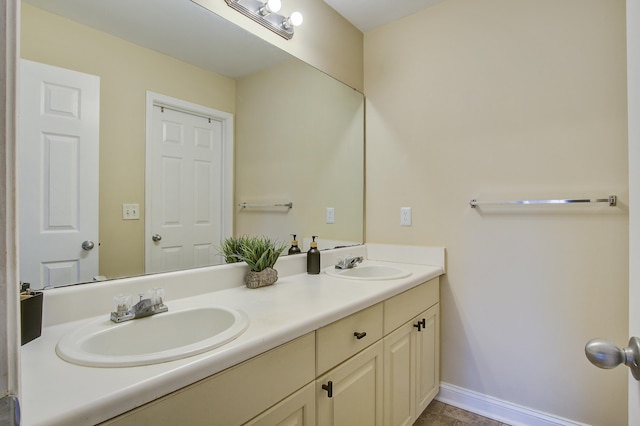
(338, 341)
(410, 303)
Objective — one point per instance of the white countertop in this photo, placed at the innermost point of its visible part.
(55, 392)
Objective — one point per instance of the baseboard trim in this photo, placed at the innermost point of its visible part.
(498, 409)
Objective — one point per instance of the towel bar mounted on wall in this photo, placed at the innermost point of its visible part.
(612, 200)
(248, 205)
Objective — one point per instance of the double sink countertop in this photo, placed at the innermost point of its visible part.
(55, 392)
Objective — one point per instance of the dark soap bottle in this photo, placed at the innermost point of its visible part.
(294, 246)
(313, 257)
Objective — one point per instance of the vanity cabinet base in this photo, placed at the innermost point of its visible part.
(378, 366)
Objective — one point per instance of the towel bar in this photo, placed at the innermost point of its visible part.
(612, 200)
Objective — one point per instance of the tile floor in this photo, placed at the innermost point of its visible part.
(441, 414)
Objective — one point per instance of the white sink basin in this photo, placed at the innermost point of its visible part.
(369, 272)
(162, 337)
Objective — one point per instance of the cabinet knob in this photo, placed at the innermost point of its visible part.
(360, 335)
(329, 388)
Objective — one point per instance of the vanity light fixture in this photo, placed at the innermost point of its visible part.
(266, 14)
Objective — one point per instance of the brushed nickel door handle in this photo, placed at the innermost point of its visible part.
(605, 354)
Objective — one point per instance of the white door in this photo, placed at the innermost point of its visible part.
(633, 88)
(58, 145)
(188, 185)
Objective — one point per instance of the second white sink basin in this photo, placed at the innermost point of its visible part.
(369, 272)
(159, 338)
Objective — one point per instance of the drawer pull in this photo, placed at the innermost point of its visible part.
(329, 388)
(421, 324)
(360, 335)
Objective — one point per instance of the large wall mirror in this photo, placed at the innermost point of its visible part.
(297, 136)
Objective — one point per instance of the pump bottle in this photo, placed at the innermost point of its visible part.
(313, 257)
(294, 249)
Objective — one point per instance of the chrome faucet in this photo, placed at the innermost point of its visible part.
(153, 304)
(348, 262)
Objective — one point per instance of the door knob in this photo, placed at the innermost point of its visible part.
(87, 245)
(605, 354)
(156, 237)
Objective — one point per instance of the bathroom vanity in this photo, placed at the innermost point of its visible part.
(319, 350)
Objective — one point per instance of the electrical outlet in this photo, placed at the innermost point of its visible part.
(331, 215)
(405, 216)
(130, 211)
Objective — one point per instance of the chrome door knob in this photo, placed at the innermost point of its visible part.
(87, 245)
(156, 237)
(605, 354)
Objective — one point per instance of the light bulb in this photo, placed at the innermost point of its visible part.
(296, 19)
(274, 5)
(292, 21)
(271, 6)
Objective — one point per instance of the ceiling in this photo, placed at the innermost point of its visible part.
(370, 14)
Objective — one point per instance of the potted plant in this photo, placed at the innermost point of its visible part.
(260, 253)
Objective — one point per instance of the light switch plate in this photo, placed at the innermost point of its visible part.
(130, 211)
(331, 215)
(405, 216)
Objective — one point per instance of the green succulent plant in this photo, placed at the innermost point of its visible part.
(261, 253)
(258, 252)
(232, 248)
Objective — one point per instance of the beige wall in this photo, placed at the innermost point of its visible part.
(305, 146)
(507, 100)
(126, 72)
(325, 40)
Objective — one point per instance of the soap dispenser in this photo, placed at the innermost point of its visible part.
(294, 246)
(313, 257)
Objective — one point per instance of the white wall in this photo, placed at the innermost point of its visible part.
(506, 100)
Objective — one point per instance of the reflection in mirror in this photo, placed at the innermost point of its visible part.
(298, 134)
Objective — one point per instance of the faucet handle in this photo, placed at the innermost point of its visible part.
(156, 296)
(122, 303)
(159, 296)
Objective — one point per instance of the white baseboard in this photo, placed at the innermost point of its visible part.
(498, 409)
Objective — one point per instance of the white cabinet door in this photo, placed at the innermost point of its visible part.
(58, 175)
(411, 368)
(351, 393)
(399, 376)
(298, 409)
(427, 358)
